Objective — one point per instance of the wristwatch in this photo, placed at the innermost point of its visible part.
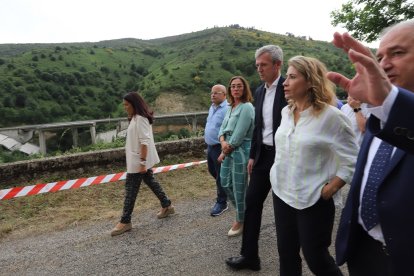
(357, 109)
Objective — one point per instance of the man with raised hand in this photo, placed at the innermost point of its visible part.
(376, 231)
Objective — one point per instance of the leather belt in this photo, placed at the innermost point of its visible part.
(267, 147)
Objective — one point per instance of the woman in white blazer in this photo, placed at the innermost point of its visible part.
(141, 156)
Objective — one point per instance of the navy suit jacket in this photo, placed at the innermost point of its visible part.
(395, 199)
(278, 104)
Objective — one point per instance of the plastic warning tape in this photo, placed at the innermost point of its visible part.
(81, 182)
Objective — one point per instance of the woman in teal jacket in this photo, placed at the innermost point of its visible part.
(235, 137)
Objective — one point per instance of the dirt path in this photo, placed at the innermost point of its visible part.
(188, 243)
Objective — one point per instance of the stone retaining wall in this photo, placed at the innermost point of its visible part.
(10, 171)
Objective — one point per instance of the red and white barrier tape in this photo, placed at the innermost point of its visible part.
(81, 182)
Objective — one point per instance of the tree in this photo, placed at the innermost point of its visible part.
(20, 100)
(237, 43)
(365, 19)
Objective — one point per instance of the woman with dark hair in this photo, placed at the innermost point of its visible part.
(235, 136)
(141, 156)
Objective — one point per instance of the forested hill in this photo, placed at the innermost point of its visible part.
(42, 83)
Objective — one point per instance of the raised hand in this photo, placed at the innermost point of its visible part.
(370, 83)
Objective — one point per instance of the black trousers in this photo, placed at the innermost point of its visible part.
(257, 191)
(132, 184)
(309, 229)
(370, 257)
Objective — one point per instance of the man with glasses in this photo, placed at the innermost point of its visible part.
(215, 118)
(269, 99)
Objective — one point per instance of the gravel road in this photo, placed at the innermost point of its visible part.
(190, 242)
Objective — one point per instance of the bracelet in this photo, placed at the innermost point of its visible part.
(143, 163)
(357, 109)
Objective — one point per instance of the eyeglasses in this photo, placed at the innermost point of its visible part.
(216, 93)
(238, 86)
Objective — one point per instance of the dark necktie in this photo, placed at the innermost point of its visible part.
(369, 212)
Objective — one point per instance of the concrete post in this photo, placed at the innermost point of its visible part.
(42, 141)
(194, 123)
(118, 128)
(93, 133)
(75, 136)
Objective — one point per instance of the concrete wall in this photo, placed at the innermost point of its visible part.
(27, 169)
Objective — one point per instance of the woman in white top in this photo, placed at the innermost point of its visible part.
(141, 156)
(315, 156)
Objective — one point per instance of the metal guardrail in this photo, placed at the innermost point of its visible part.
(40, 129)
(86, 123)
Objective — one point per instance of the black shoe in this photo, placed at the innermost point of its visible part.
(242, 262)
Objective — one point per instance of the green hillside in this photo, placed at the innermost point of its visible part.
(42, 83)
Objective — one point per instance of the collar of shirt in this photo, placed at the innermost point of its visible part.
(303, 114)
(223, 103)
(267, 113)
(274, 84)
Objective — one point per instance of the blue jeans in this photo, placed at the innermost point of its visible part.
(213, 152)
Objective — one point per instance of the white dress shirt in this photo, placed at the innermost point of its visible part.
(310, 153)
(139, 133)
(267, 113)
(381, 112)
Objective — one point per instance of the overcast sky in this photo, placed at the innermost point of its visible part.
(54, 21)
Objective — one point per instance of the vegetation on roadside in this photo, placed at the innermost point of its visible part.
(44, 83)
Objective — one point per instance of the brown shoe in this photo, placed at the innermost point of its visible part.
(121, 228)
(165, 212)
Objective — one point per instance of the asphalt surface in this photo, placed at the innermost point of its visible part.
(191, 242)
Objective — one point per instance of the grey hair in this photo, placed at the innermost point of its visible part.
(275, 52)
(407, 23)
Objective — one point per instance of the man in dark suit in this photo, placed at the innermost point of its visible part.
(269, 101)
(376, 232)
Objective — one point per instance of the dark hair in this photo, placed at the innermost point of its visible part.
(247, 93)
(140, 106)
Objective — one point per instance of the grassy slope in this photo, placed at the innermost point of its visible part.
(58, 82)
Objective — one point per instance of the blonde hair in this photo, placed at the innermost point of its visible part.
(322, 90)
